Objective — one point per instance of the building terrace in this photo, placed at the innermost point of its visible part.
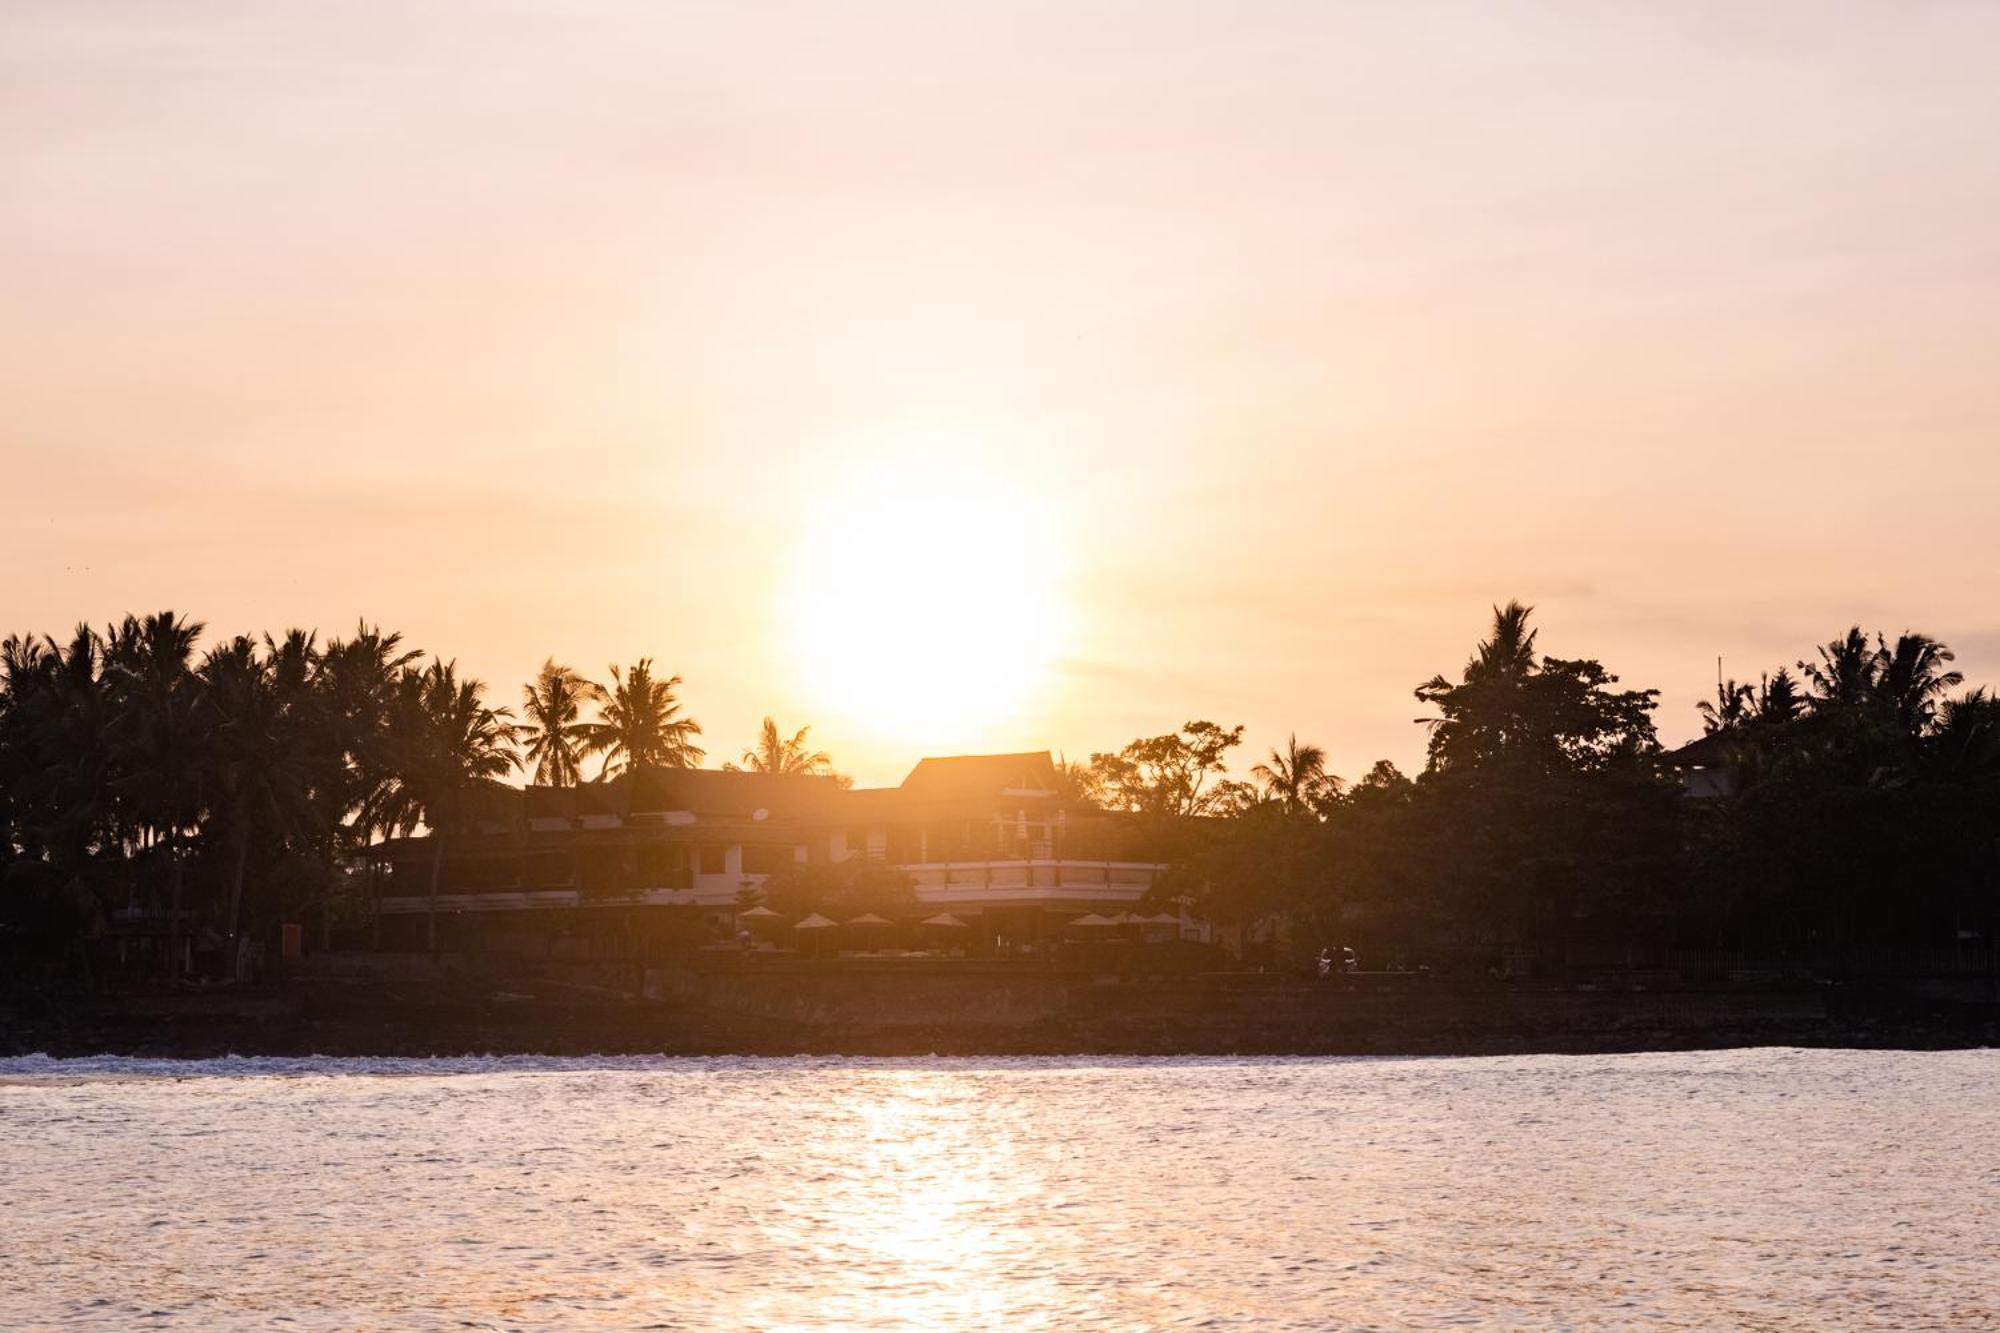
(987, 837)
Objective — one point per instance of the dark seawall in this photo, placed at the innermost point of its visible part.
(404, 1005)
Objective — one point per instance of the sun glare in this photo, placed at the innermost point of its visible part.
(927, 603)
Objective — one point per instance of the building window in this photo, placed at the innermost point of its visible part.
(714, 860)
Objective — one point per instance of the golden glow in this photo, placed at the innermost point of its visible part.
(909, 1209)
(1324, 332)
(927, 601)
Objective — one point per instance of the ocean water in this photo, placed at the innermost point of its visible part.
(1767, 1189)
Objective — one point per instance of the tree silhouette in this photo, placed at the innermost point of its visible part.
(140, 773)
(259, 762)
(1844, 677)
(448, 744)
(160, 742)
(1913, 679)
(1778, 699)
(553, 736)
(1732, 708)
(640, 724)
(1171, 775)
(778, 753)
(1557, 715)
(1296, 778)
(359, 678)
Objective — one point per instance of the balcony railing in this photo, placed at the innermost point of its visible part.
(934, 882)
(1031, 880)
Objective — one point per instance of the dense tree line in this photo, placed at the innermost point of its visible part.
(1854, 804)
(1866, 806)
(1850, 800)
(229, 788)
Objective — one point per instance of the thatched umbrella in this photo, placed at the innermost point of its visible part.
(872, 930)
(816, 923)
(755, 921)
(945, 928)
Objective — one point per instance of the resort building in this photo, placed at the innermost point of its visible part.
(986, 839)
(1708, 767)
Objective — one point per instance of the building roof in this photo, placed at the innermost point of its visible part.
(1710, 751)
(688, 804)
(698, 791)
(971, 776)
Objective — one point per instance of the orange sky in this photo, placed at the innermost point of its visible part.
(1309, 331)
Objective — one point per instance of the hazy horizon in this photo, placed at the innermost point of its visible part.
(1250, 358)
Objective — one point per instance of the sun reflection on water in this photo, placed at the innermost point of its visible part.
(911, 1211)
(823, 1194)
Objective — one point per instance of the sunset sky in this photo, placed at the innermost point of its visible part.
(1114, 364)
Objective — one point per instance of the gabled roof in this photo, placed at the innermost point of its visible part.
(726, 803)
(708, 791)
(979, 776)
(1710, 751)
(700, 791)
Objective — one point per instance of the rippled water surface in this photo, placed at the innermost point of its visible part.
(1765, 1189)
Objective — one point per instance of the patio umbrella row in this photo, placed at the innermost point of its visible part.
(950, 922)
(1127, 919)
(818, 922)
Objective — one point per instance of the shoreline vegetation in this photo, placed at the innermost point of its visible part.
(1835, 832)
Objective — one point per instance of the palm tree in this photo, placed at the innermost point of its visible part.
(79, 716)
(1913, 679)
(1078, 783)
(776, 753)
(358, 677)
(1965, 744)
(447, 745)
(1729, 710)
(1844, 677)
(66, 811)
(553, 737)
(259, 710)
(1481, 714)
(1296, 777)
(1510, 653)
(640, 725)
(160, 740)
(1778, 700)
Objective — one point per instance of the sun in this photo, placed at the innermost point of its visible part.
(927, 601)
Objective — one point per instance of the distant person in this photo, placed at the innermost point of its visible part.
(1325, 963)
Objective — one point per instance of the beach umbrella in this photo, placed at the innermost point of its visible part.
(1093, 920)
(871, 931)
(758, 914)
(816, 923)
(946, 919)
